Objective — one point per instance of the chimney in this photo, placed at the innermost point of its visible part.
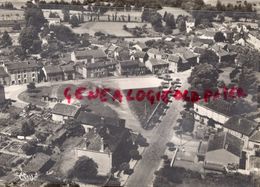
(102, 145)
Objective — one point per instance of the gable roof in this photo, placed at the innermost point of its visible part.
(52, 69)
(22, 66)
(227, 141)
(154, 51)
(255, 137)
(174, 58)
(241, 125)
(141, 45)
(97, 120)
(156, 62)
(139, 54)
(95, 53)
(65, 110)
(130, 63)
(67, 68)
(37, 163)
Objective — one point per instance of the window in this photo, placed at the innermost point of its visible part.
(19, 76)
(24, 80)
(24, 75)
(33, 75)
(33, 79)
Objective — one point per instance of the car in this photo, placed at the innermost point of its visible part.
(160, 76)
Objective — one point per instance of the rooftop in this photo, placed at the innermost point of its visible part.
(241, 125)
(65, 110)
(227, 141)
(97, 120)
(53, 69)
(95, 53)
(22, 66)
(37, 163)
(155, 62)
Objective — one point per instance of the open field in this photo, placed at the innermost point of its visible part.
(175, 11)
(113, 28)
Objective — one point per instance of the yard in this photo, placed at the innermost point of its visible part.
(175, 11)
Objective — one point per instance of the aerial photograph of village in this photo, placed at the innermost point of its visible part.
(134, 93)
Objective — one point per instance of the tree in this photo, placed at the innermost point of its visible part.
(209, 57)
(182, 25)
(203, 77)
(135, 154)
(66, 15)
(17, 26)
(74, 128)
(247, 80)
(6, 40)
(29, 148)
(170, 21)
(64, 33)
(219, 37)
(31, 86)
(34, 17)
(27, 36)
(27, 128)
(74, 21)
(36, 46)
(84, 168)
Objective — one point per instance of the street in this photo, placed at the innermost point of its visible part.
(145, 168)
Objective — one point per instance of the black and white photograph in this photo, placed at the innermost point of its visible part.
(129, 93)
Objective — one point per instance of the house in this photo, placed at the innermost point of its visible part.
(254, 141)
(111, 50)
(23, 72)
(39, 163)
(223, 55)
(62, 112)
(218, 110)
(131, 67)
(154, 53)
(53, 73)
(89, 121)
(157, 66)
(68, 72)
(241, 128)
(140, 47)
(104, 145)
(206, 34)
(190, 24)
(224, 150)
(98, 69)
(140, 56)
(176, 64)
(54, 21)
(187, 55)
(85, 54)
(254, 39)
(4, 77)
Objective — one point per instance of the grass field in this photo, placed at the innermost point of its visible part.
(113, 28)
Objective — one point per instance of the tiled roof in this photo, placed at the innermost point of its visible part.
(53, 69)
(100, 64)
(97, 120)
(222, 106)
(226, 141)
(141, 45)
(112, 138)
(155, 62)
(65, 110)
(37, 162)
(154, 51)
(22, 66)
(174, 58)
(130, 63)
(95, 53)
(67, 68)
(139, 54)
(255, 137)
(241, 125)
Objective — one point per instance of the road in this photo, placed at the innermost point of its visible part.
(144, 170)
(157, 138)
